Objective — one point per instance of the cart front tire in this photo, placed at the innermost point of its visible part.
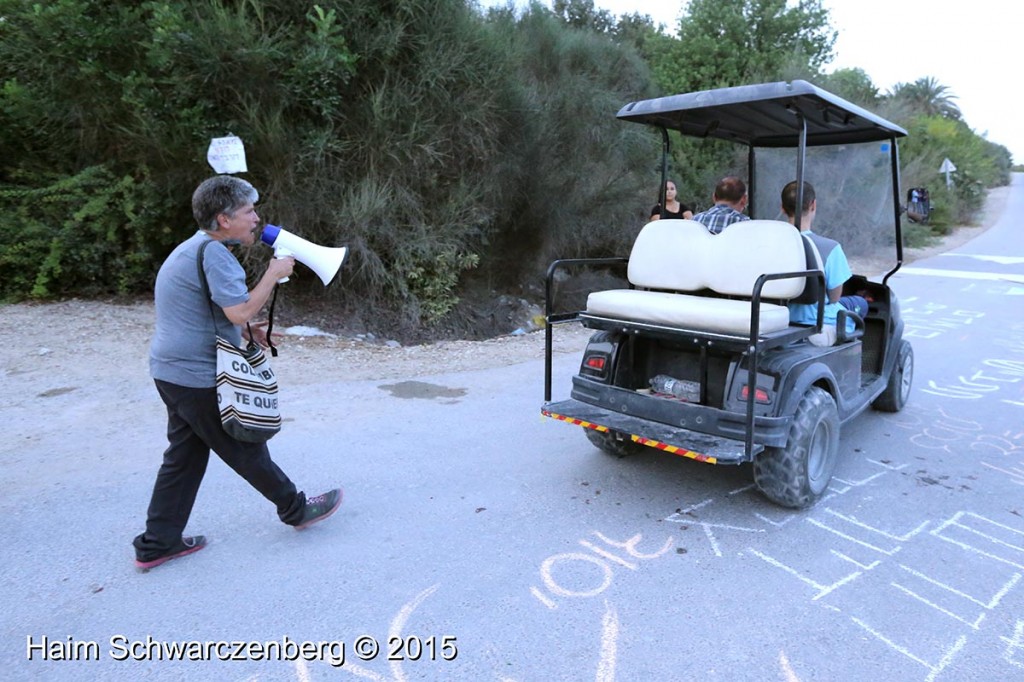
(897, 391)
(798, 474)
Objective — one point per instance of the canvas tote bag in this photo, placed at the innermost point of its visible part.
(246, 384)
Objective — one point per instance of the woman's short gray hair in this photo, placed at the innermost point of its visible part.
(220, 194)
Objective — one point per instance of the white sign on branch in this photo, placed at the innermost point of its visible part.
(227, 154)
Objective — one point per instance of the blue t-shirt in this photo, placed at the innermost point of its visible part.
(837, 271)
(184, 346)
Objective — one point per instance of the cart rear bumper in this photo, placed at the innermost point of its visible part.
(677, 441)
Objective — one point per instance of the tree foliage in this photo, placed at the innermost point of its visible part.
(853, 85)
(927, 97)
(979, 163)
(455, 151)
(576, 171)
(722, 43)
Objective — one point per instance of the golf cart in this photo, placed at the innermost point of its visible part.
(708, 313)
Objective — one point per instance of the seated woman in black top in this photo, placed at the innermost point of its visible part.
(673, 209)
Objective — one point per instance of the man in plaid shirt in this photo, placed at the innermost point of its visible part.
(730, 199)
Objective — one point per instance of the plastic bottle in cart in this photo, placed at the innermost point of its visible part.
(666, 385)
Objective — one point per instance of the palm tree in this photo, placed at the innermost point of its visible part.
(926, 96)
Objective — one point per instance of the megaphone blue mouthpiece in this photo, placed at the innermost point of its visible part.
(269, 235)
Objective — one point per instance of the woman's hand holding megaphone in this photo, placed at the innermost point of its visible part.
(281, 267)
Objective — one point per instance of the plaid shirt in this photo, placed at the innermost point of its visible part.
(719, 217)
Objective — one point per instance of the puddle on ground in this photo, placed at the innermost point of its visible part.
(421, 389)
(57, 391)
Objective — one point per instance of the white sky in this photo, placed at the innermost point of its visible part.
(967, 46)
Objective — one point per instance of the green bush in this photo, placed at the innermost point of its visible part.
(448, 149)
(979, 165)
(917, 235)
(82, 235)
(575, 180)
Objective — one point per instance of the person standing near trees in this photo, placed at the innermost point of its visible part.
(183, 364)
(730, 199)
(673, 209)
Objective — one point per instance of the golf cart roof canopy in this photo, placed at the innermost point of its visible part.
(764, 115)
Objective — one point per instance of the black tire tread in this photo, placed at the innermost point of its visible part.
(781, 473)
(892, 399)
(608, 443)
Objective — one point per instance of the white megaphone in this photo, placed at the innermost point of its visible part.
(322, 260)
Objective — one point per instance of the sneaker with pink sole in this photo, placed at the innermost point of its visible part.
(319, 508)
(187, 545)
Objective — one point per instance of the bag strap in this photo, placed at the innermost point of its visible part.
(270, 323)
(206, 291)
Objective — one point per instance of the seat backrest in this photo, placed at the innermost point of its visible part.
(813, 289)
(681, 255)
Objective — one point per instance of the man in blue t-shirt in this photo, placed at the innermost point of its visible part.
(836, 267)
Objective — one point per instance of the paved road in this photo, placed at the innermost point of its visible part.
(481, 542)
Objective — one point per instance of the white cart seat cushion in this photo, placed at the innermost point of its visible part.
(685, 311)
(681, 255)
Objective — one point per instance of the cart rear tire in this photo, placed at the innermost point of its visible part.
(798, 474)
(614, 443)
(897, 391)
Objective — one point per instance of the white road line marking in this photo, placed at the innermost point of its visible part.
(962, 274)
(1002, 260)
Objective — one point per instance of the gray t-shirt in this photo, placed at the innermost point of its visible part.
(184, 348)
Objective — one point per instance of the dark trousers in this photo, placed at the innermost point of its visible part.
(193, 429)
(857, 304)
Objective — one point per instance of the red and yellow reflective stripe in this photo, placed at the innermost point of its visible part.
(671, 449)
(576, 422)
(682, 452)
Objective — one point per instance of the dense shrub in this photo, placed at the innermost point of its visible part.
(575, 180)
(85, 234)
(453, 151)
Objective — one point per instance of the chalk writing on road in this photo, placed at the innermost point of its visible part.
(1001, 377)
(927, 320)
(994, 289)
(864, 549)
(591, 573)
(936, 430)
(1014, 654)
(759, 522)
(399, 648)
(996, 375)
